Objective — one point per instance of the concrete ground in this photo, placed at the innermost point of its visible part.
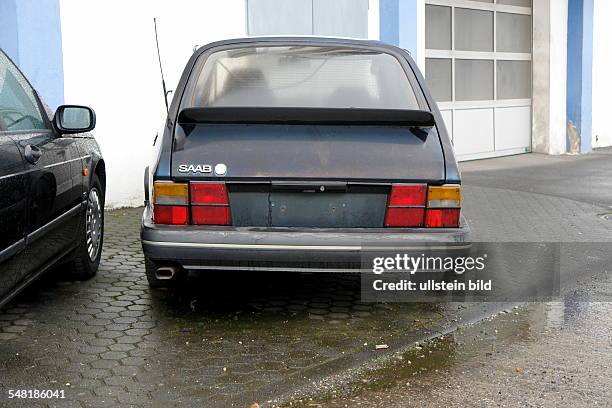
(280, 339)
(555, 354)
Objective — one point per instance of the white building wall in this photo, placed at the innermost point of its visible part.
(602, 70)
(373, 20)
(110, 64)
(549, 121)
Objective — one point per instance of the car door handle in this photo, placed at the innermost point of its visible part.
(32, 154)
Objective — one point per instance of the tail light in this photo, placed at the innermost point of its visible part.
(406, 205)
(170, 203)
(210, 204)
(443, 207)
(416, 205)
(196, 203)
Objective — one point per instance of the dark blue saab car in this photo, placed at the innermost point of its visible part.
(52, 184)
(292, 154)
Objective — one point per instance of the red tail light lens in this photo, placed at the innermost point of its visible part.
(171, 214)
(442, 218)
(404, 217)
(408, 195)
(210, 204)
(210, 215)
(209, 193)
(406, 206)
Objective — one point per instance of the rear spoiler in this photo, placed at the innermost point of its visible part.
(307, 116)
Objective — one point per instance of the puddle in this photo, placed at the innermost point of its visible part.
(428, 362)
(606, 216)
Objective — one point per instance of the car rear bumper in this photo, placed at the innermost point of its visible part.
(288, 249)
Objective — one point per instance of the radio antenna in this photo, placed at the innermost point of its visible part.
(161, 70)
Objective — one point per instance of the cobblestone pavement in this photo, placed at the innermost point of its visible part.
(112, 341)
(235, 339)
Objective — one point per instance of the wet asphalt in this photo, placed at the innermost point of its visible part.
(554, 354)
(309, 340)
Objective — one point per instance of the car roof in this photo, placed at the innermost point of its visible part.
(307, 40)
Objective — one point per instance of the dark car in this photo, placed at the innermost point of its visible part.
(52, 184)
(292, 154)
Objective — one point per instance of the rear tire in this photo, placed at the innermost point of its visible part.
(86, 258)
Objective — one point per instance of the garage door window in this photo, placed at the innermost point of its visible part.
(439, 23)
(473, 30)
(336, 18)
(476, 82)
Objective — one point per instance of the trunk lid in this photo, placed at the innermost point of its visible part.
(302, 152)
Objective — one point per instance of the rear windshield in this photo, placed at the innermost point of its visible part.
(303, 76)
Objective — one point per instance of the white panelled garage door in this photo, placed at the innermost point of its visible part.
(478, 67)
(334, 18)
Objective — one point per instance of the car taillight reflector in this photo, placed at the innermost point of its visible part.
(404, 217)
(170, 203)
(406, 205)
(443, 206)
(210, 204)
(442, 218)
(416, 205)
(170, 214)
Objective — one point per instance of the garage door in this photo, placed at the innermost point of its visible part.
(478, 67)
(334, 18)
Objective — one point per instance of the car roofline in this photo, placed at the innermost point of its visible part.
(305, 39)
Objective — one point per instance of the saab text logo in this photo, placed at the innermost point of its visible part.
(219, 169)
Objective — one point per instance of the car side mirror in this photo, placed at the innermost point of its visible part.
(70, 119)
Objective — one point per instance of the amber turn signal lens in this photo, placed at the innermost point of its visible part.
(444, 196)
(168, 193)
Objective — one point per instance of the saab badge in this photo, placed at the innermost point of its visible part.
(195, 168)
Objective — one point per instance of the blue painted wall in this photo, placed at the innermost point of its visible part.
(389, 21)
(9, 35)
(580, 70)
(398, 23)
(30, 34)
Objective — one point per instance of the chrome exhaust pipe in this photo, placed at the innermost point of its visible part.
(166, 272)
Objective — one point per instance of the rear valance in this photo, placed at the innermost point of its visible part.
(307, 116)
